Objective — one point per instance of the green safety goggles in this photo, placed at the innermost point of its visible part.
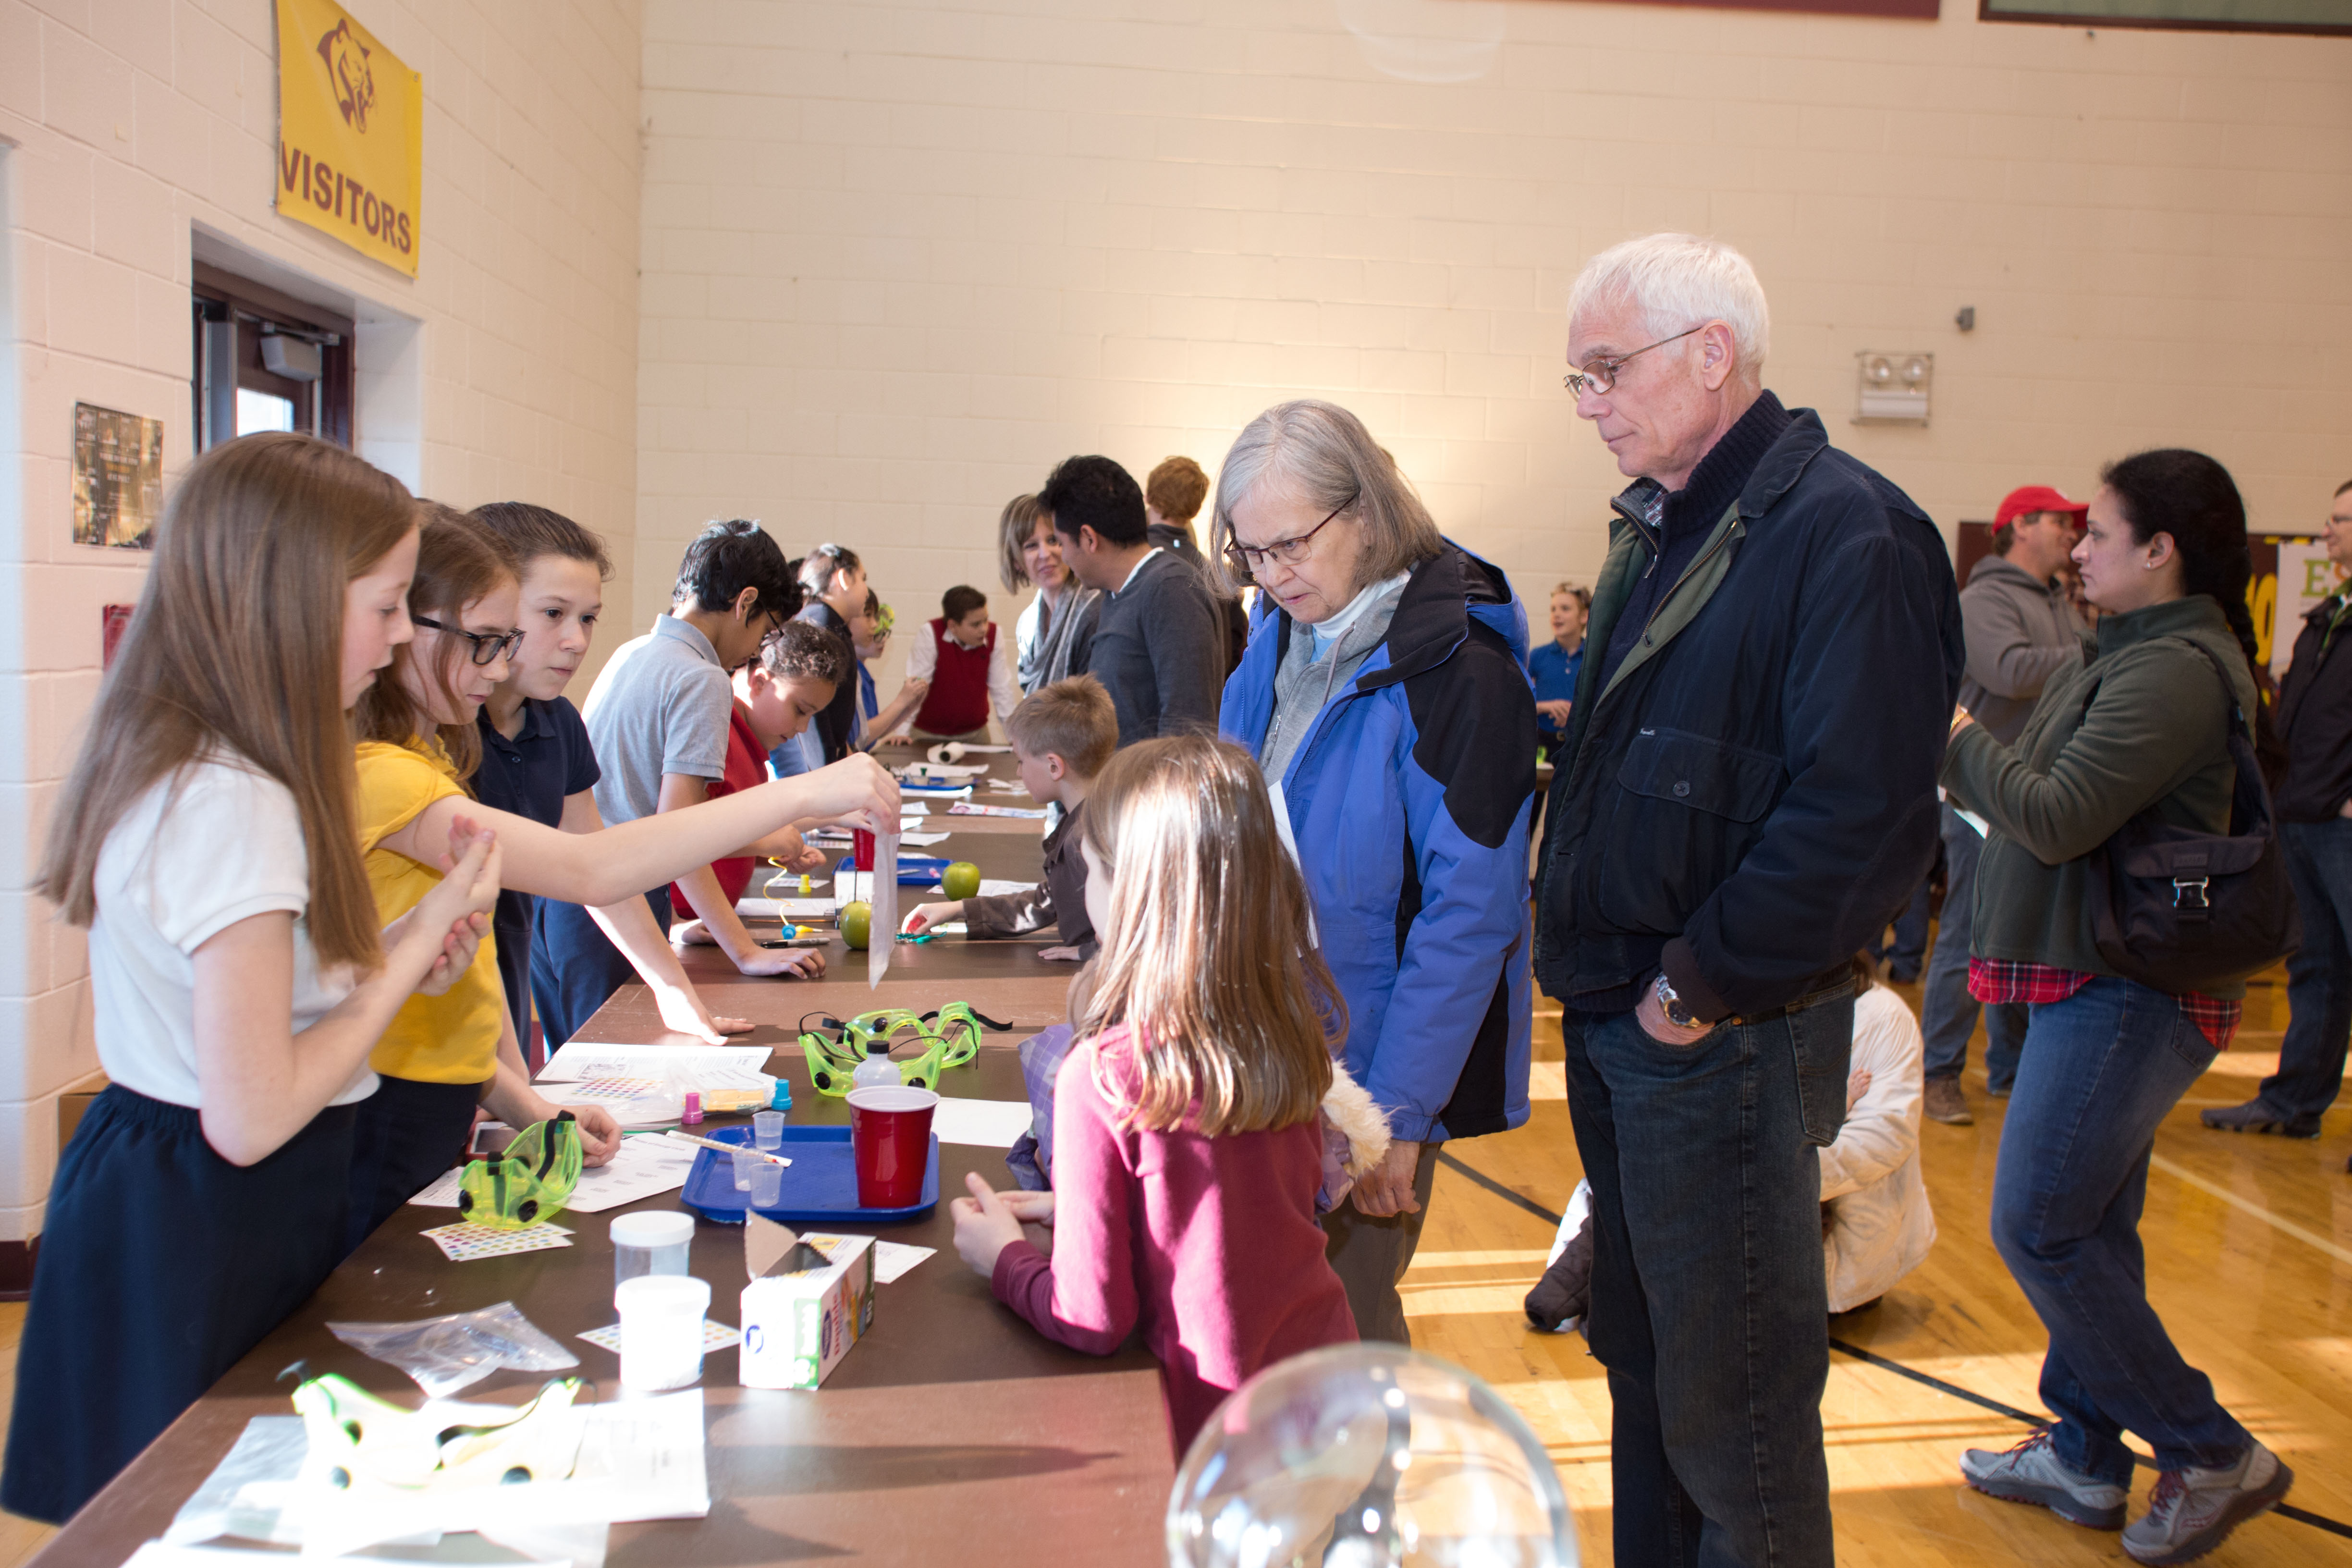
(528, 1180)
(949, 1038)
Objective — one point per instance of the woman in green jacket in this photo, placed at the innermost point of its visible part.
(2144, 724)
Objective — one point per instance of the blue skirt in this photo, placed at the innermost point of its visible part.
(160, 1265)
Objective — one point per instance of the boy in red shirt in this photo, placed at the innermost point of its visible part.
(968, 667)
(776, 695)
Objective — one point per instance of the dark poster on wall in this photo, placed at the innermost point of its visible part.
(2193, 16)
(1908, 10)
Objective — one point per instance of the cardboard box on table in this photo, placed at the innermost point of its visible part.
(810, 1298)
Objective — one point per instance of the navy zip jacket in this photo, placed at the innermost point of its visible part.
(1749, 791)
(1409, 802)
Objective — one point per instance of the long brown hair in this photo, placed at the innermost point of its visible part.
(1234, 1017)
(457, 562)
(237, 643)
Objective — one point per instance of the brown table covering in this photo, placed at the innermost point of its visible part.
(952, 1432)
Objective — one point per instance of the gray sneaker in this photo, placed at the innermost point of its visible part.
(2256, 1116)
(2192, 1511)
(1946, 1103)
(2031, 1472)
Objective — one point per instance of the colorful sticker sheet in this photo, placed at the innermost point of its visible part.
(465, 1241)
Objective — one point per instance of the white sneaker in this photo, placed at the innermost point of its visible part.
(2192, 1511)
(2033, 1472)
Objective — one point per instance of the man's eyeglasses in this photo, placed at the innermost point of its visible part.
(489, 646)
(1246, 559)
(1601, 374)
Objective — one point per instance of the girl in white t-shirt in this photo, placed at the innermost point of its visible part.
(237, 972)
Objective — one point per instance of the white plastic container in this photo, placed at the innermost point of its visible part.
(661, 1330)
(768, 1129)
(746, 1161)
(651, 1243)
(877, 1070)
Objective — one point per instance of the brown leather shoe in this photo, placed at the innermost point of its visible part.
(1946, 1103)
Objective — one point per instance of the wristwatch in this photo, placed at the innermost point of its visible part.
(1670, 1001)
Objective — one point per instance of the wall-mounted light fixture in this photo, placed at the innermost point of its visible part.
(1892, 388)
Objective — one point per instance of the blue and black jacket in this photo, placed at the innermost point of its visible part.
(1409, 803)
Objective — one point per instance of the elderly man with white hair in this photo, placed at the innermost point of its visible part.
(1747, 790)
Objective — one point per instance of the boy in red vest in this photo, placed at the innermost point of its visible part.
(969, 668)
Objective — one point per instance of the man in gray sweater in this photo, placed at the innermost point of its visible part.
(2021, 631)
(1160, 645)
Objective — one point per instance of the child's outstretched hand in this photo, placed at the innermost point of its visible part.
(923, 917)
(988, 1222)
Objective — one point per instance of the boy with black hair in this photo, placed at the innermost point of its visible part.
(968, 667)
(657, 718)
(1160, 647)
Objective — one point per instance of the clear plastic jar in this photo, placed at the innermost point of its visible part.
(658, 1242)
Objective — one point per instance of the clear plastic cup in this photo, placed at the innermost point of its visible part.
(766, 1129)
(767, 1184)
(661, 1330)
(746, 1161)
(655, 1242)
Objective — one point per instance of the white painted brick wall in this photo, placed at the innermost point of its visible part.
(122, 123)
(900, 255)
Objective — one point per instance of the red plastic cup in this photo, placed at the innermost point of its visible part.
(861, 843)
(890, 1137)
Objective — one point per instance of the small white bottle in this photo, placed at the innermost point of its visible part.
(877, 1070)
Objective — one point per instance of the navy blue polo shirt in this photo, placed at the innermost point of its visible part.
(548, 762)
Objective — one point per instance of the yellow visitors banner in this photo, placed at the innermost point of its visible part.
(350, 133)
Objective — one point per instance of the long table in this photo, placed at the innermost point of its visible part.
(952, 1432)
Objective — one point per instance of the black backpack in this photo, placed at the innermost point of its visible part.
(2179, 910)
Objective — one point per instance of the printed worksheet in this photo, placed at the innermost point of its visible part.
(713, 1066)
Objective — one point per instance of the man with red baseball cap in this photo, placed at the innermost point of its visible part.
(2020, 631)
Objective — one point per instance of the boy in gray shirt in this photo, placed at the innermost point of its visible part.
(657, 718)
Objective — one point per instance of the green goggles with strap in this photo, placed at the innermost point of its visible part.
(949, 1038)
(528, 1180)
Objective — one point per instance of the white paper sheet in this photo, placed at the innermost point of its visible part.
(640, 1458)
(892, 1259)
(796, 909)
(988, 1123)
(713, 1066)
(885, 923)
(967, 808)
(997, 887)
(920, 839)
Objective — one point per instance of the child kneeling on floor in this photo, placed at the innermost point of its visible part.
(1188, 1144)
(1062, 735)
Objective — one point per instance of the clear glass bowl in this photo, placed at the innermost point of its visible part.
(1367, 1456)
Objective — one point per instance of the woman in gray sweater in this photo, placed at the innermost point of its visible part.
(2145, 723)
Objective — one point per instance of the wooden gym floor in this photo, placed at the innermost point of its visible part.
(2249, 1259)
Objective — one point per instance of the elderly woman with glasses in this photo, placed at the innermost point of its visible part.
(1384, 695)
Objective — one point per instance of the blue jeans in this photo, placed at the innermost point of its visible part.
(1709, 1306)
(2101, 1069)
(1904, 952)
(574, 969)
(1948, 1014)
(2319, 974)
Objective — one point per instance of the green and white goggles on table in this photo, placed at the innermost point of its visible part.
(949, 1038)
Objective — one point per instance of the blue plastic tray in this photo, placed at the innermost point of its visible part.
(914, 871)
(820, 1186)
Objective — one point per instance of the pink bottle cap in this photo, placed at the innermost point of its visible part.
(693, 1113)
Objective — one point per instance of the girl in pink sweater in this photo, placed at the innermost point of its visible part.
(1187, 1144)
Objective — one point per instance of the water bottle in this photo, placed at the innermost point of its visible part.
(877, 1070)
